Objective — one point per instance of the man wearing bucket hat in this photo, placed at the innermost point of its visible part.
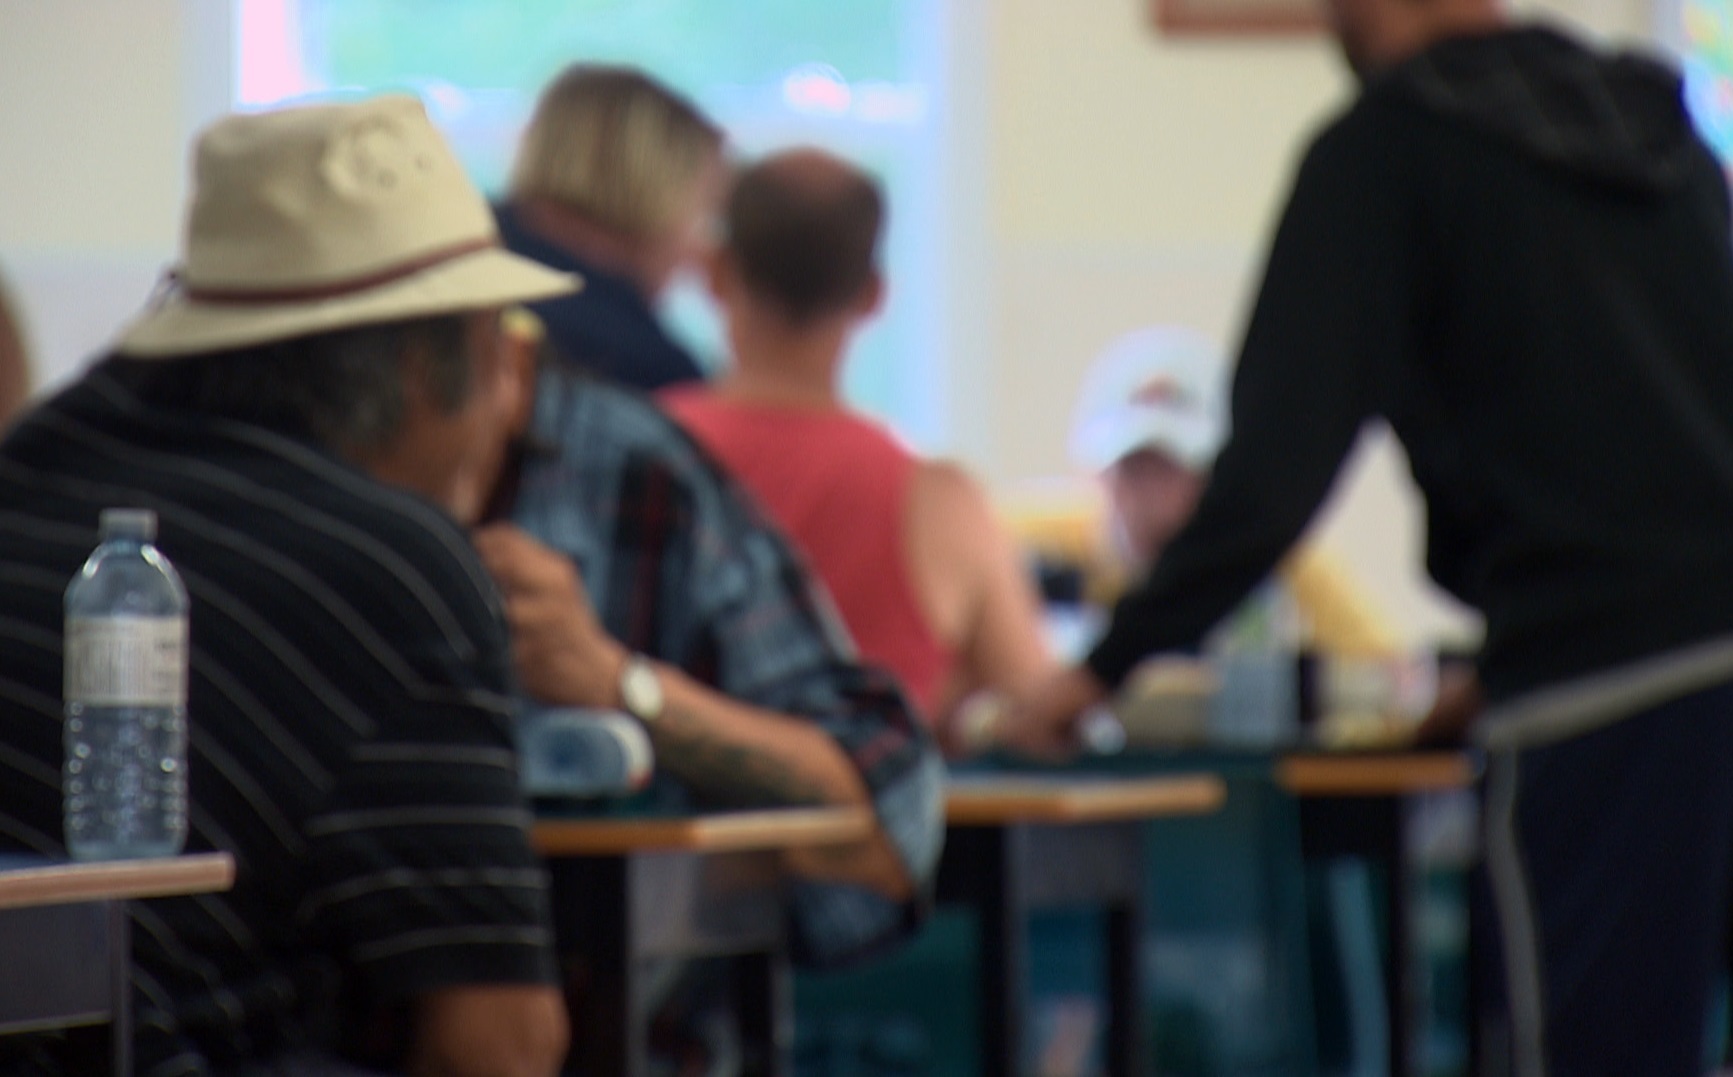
(311, 412)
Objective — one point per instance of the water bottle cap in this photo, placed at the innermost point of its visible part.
(137, 524)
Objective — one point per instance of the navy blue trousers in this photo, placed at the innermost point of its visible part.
(1609, 855)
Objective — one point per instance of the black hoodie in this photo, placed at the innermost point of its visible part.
(1518, 252)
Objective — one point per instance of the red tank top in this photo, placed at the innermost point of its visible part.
(838, 485)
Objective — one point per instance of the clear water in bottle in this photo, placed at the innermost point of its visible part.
(125, 776)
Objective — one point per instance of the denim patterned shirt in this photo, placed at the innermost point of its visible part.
(682, 567)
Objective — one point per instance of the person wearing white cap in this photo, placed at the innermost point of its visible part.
(1150, 419)
(312, 411)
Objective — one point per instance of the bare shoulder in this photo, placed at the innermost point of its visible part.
(948, 528)
(945, 497)
(982, 593)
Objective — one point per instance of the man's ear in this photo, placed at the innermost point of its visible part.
(415, 367)
(520, 352)
(872, 296)
(721, 275)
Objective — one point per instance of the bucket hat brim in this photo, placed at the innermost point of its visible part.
(184, 325)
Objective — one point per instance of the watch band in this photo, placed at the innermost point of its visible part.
(641, 689)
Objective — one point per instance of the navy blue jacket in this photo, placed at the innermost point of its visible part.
(608, 327)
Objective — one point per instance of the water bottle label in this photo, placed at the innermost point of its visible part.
(126, 661)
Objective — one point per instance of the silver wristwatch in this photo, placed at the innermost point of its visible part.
(641, 689)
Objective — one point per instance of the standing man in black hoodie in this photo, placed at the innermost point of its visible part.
(1517, 252)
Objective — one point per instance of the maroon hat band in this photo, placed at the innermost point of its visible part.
(378, 278)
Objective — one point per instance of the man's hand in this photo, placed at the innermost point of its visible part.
(1453, 713)
(1042, 724)
(562, 653)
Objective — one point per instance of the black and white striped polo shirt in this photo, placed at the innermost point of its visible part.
(349, 721)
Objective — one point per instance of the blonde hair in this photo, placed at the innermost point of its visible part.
(617, 147)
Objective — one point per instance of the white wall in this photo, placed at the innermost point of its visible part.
(96, 100)
(1132, 179)
(1609, 20)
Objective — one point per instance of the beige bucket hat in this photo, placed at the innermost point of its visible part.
(311, 219)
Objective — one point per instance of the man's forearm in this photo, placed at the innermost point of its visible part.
(744, 756)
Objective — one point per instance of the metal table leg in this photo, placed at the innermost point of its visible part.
(1125, 1017)
(616, 915)
(766, 1007)
(984, 868)
(1006, 872)
(1371, 827)
(604, 992)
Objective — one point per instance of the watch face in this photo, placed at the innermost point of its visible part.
(640, 690)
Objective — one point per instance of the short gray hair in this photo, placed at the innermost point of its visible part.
(343, 389)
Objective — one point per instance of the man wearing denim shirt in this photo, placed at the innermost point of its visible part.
(652, 585)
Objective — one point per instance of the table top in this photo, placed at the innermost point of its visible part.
(991, 800)
(1373, 775)
(773, 828)
(63, 883)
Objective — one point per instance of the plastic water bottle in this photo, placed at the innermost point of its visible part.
(125, 776)
(567, 753)
(1255, 654)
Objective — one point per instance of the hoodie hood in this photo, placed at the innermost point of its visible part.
(1617, 119)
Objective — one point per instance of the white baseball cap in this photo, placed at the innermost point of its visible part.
(1162, 387)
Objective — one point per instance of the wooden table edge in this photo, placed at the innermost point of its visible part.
(115, 880)
(1376, 775)
(776, 828)
(1021, 800)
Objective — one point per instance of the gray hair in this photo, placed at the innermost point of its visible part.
(343, 389)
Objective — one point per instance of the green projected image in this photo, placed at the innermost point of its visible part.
(863, 78)
(1708, 60)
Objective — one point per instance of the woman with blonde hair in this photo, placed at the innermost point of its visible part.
(617, 179)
